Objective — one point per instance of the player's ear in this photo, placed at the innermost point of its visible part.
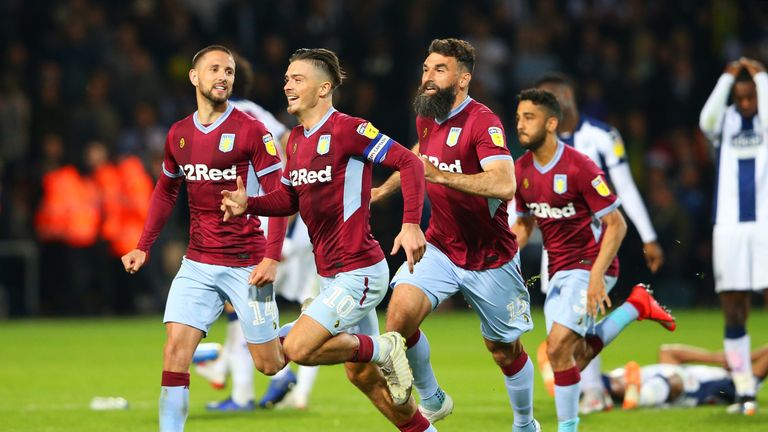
(193, 78)
(325, 89)
(552, 124)
(464, 80)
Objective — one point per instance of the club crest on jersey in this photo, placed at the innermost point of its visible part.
(600, 186)
(323, 144)
(453, 136)
(367, 130)
(424, 134)
(525, 183)
(269, 143)
(226, 143)
(560, 184)
(496, 136)
(181, 142)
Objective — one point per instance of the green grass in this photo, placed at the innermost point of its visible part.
(50, 370)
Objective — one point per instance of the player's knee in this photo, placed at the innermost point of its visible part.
(556, 350)
(403, 314)
(270, 368)
(176, 356)
(399, 320)
(503, 353)
(297, 352)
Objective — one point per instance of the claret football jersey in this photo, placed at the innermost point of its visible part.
(210, 158)
(568, 197)
(471, 230)
(329, 169)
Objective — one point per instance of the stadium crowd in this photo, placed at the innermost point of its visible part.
(89, 88)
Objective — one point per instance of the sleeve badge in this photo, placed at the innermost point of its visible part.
(367, 130)
(496, 136)
(599, 184)
(269, 143)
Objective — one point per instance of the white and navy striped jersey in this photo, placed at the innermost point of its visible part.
(603, 144)
(741, 154)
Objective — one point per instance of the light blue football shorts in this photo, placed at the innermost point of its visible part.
(498, 295)
(198, 293)
(347, 302)
(566, 302)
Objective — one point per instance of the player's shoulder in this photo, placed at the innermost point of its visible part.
(589, 122)
(244, 117)
(347, 124)
(481, 113)
(344, 120)
(182, 126)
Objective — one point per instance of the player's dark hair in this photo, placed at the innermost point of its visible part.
(557, 78)
(324, 59)
(461, 50)
(542, 98)
(245, 76)
(743, 76)
(208, 49)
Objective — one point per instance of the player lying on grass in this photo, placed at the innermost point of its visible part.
(680, 379)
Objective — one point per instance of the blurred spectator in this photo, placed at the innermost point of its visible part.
(77, 71)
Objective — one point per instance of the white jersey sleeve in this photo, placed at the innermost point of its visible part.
(621, 177)
(711, 118)
(612, 151)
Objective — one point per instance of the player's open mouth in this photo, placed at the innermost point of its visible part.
(292, 98)
(220, 87)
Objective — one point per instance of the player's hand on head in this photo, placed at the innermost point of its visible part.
(733, 67)
(431, 173)
(597, 298)
(654, 256)
(234, 203)
(264, 273)
(752, 66)
(412, 240)
(133, 260)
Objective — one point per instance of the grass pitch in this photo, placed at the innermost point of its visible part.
(50, 370)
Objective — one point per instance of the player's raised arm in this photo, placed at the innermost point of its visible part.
(757, 71)
(714, 108)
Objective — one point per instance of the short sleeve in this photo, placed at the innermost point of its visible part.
(366, 140)
(264, 156)
(595, 190)
(489, 139)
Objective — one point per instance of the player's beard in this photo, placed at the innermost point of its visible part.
(534, 141)
(437, 106)
(216, 100)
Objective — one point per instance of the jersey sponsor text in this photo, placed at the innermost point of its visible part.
(201, 172)
(304, 176)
